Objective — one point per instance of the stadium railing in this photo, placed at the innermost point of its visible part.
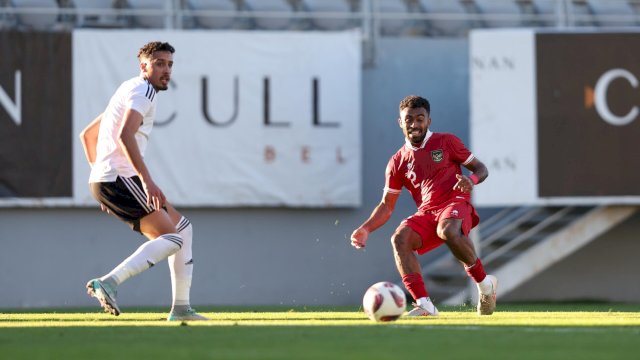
(385, 17)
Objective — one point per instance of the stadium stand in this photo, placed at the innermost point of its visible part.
(271, 14)
(157, 13)
(7, 20)
(581, 14)
(37, 14)
(499, 13)
(540, 13)
(341, 14)
(204, 11)
(612, 13)
(98, 13)
(448, 17)
(391, 18)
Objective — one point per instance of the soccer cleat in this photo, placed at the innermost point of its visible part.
(487, 303)
(105, 295)
(185, 315)
(420, 311)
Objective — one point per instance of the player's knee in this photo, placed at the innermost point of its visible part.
(184, 226)
(400, 242)
(449, 233)
(175, 239)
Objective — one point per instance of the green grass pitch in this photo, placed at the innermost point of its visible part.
(533, 331)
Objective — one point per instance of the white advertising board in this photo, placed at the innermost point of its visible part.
(250, 118)
(503, 114)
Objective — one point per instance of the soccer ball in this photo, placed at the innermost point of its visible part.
(384, 301)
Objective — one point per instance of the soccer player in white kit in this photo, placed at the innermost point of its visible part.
(114, 143)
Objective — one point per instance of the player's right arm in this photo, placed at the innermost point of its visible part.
(379, 216)
(127, 139)
(382, 213)
(89, 139)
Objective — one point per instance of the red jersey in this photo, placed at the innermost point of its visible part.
(429, 171)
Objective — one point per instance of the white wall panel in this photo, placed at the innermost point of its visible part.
(217, 146)
(503, 115)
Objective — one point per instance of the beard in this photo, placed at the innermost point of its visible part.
(416, 138)
(160, 86)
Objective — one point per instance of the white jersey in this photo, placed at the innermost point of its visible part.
(137, 94)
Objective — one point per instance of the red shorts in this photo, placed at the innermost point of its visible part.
(426, 223)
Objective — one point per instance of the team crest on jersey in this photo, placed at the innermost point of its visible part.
(437, 155)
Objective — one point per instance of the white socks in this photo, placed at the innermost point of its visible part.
(147, 255)
(176, 247)
(485, 286)
(181, 265)
(425, 303)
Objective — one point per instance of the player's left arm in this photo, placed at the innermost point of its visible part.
(479, 173)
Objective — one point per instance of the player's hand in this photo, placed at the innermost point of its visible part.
(359, 238)
(155, 196)
(464, 184)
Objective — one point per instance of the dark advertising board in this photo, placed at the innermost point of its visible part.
(35, 115)
(588, 104)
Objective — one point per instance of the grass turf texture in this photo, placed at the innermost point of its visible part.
(534, 331)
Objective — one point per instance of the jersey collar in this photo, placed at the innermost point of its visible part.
(424, 142)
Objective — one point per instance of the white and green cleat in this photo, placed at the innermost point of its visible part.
(105, 295)
(187, 314)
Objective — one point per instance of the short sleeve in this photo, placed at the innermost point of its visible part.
(141, 98)
(393, 181)
(459, 153)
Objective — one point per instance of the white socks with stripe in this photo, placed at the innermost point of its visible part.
(147, 255)
(176, 248)
(181, 265)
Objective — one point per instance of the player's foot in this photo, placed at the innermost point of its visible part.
(421, 311)
(187, 314)
(105, 295)
(487, 303)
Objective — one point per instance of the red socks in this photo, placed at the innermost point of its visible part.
(476, 271)
(415, 284)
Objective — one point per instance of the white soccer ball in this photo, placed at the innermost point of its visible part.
(384, 301)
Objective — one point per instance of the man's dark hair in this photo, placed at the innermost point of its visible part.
(150, 48)
(414, 101)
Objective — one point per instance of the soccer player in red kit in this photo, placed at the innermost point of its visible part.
(428, 165)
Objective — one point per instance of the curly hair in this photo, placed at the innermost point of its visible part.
(414, 101)
(150, 48)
